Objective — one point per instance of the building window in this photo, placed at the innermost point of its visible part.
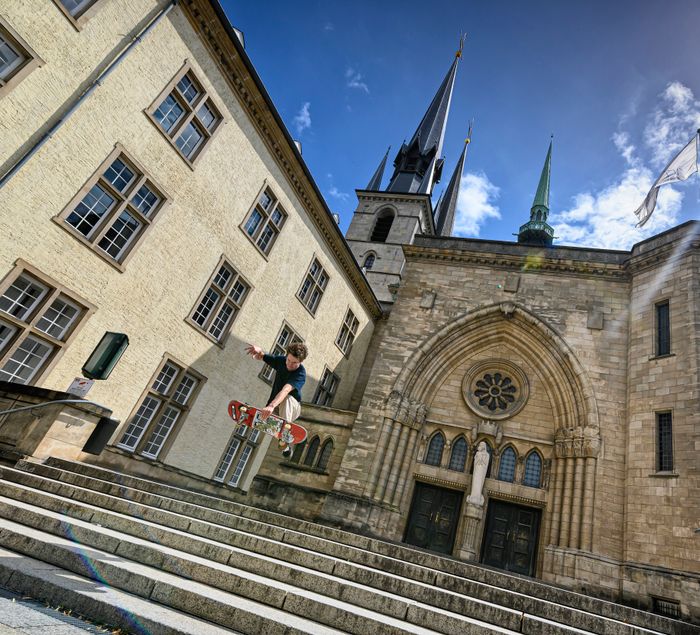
(506, 467)
(264, 222)
(114, 209)
(325, 455)
(664, 442)
(663, 329)
(186, 115)
(298, 451)
(382, 227)
(77, 11)
(458, 456)
(326, 388)
(311, 452)
(240, 448)
(17, 59)
(314, 285)
(38, 318)
(347, 334)
(286, 337)
(435, 448)
(161, 410)
(369, 262)
(533, 470)
(219, 304)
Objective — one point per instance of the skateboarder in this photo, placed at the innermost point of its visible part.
(290, 376)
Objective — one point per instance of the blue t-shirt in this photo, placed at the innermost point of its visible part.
(295, 378)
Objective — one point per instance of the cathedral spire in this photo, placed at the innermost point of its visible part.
(375, 183)
(422, 153)
(447, 205)
(536, 231)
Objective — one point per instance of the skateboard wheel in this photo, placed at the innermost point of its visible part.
(288, 426)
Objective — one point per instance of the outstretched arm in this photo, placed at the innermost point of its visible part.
(278, 399)
(255, 351)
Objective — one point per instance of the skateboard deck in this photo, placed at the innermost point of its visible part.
(275, 426)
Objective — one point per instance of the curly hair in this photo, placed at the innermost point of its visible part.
(299, 350)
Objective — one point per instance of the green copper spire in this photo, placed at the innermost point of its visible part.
(542, 195)
(537, 231)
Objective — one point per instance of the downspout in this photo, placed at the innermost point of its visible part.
(98, 82)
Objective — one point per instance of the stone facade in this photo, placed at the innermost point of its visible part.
(572, 331)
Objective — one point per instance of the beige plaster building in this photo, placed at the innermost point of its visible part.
(153, 190)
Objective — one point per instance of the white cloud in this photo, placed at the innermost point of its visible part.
(475, 204)
(336, 193)
(672, 123)
(329, 26)
(606, 218)
(354, 80)
(302, 120)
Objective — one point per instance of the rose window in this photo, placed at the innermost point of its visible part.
(495, 389)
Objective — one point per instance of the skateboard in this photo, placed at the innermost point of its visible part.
(285, 431)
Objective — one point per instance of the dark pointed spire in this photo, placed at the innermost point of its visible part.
(447, 205)
(536, 231)
(375, 183)
(422, 153)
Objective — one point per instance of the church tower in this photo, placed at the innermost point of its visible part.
(384, 220)
(536, 231)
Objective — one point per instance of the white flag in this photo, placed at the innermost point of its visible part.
(680, 168)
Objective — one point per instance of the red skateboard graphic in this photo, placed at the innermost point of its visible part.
(285, 431)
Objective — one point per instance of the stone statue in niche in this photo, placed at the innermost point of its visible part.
(481, 464)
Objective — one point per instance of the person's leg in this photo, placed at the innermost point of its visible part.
(289, 410)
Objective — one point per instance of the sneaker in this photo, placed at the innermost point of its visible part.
(287, 452)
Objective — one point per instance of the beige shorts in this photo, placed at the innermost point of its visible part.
(289, 409)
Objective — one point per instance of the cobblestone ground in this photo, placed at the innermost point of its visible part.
(21, 615)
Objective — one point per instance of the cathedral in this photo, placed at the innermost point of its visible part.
(563, 371)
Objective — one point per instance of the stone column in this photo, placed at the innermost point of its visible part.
(576, 451)
(577, 503)
(379, 457)
(472, 521)
(396, 465)
(380, 490)
(405, 466)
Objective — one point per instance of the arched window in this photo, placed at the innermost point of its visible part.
(533, 470)
(458, 457)
(325, 455)
(369, 262)
(506, 467)
(298, 451)
(489, 449)
(311, 452)
(382, 226)
(435, 448)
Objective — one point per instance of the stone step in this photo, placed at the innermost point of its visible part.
(92, 598)
(260, 555)
(220, 593)
(252, 585)
(402, 561)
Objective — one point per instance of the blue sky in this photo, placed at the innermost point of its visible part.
(616, 82)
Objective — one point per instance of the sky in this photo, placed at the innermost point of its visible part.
(616, 82)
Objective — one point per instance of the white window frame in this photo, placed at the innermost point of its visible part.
(149, 435)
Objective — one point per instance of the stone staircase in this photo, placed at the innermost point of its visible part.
(154, 559)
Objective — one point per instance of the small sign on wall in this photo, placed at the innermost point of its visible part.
(80, 386)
